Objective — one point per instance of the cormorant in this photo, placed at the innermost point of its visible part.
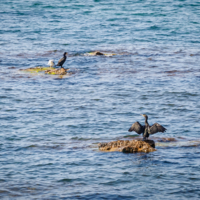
(51, 63)
(62, 60)
(146, 130)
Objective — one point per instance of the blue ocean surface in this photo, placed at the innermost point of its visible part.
(50, 126)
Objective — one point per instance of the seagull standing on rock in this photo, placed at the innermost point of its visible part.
(51, 63)
(62, 60)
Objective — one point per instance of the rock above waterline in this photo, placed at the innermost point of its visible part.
(128, 146)
(98, 53)
(61, 71)
(47, 70)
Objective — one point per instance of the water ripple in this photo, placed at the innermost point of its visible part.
(51, 125)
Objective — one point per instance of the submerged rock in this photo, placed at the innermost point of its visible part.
(166, 140)
(128, 146)
(36, 69)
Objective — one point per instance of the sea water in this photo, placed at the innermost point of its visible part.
(50, 126)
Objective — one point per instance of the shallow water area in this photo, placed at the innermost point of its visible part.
(51, 125)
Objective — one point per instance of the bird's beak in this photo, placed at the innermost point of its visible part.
(142, 115)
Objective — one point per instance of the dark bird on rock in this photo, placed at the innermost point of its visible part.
(62, 60)
(146, 130)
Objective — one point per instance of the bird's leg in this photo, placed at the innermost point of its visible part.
(144, 138)
(145, 134)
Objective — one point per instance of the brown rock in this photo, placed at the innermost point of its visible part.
(128, 146)
(60, 71)
(35, 69)
(98, 53)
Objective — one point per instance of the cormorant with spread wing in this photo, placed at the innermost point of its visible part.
(146, 130)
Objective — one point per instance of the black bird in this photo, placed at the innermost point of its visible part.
(62, 60)
(146, 130)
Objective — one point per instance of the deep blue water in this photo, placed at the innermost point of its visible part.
(50, 126)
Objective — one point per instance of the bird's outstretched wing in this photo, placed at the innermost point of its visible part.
(137, 127)
(156, 128)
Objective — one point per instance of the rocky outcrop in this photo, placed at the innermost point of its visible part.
(46, 70)
(98, 53)
(61, 71)
(128, 146)
(36, 69)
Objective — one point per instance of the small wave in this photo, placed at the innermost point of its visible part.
(42, 147)
(81, 139)
(192, 143)
(154, 27)
(65, 180)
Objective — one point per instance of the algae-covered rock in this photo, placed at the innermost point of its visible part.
(60, 71)
(36, 69)
(128, 146)
(98, 53)
(46, 70)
